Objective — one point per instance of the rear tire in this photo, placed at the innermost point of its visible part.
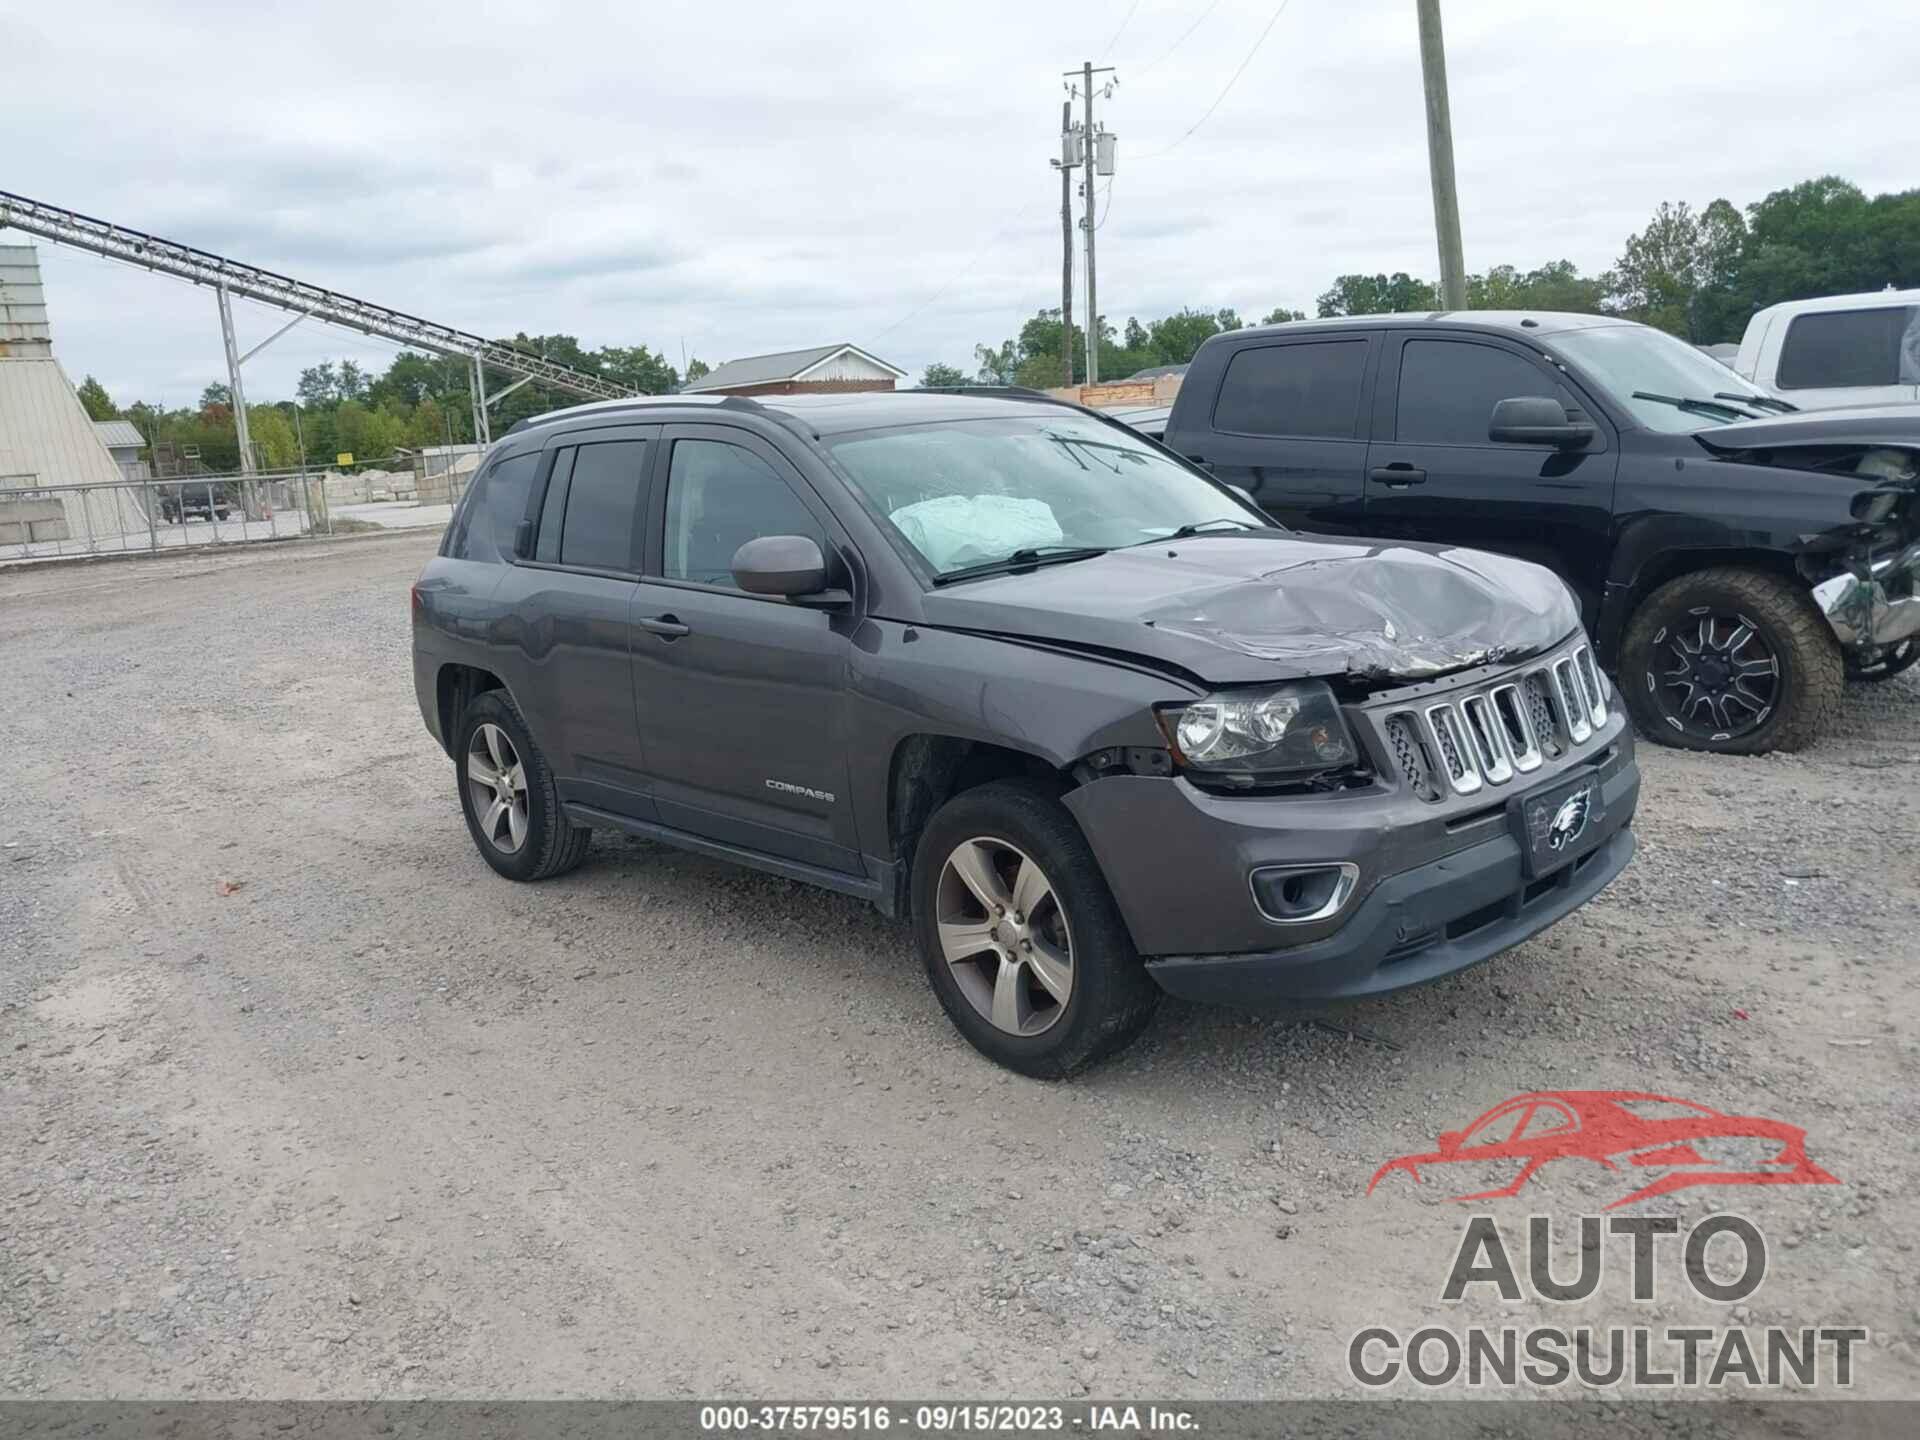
(1803, 694)
(1002, 983)
(492, 741)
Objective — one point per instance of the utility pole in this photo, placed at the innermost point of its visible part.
(1065, 166)
(1093, 305)
(1446, 201)
(1090, 151)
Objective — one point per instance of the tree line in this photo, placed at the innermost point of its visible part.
(1697, 274)
(343, 408)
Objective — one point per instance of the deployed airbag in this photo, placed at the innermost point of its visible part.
(955, 530)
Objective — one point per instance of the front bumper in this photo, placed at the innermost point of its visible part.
(1881, 607)
(1415, 927)
(1443, 882)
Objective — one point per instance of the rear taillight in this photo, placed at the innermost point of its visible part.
(413, 591)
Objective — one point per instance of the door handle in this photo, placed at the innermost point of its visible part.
(1398, 475)
(667, 627)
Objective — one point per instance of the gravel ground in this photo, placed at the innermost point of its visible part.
(301, 1100)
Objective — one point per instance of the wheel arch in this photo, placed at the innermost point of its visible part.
(456, 685)
(1654, 567)
(928, 769)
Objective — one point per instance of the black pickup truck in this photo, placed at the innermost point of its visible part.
(1735, 560)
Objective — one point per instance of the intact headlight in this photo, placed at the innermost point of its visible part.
(1289, 729)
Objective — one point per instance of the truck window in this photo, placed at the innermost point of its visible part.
(1826, 351)
(494, 510)
(1448, 389)
(1310, 390)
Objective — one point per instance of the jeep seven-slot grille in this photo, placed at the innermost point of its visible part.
(1411, 757)
(1487, 736)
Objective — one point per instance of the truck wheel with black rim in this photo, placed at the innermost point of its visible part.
(1020, 935)
(1893, 660)
(508, 795)
(1736, 662)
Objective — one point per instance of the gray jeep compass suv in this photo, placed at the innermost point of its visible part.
(1003, 667)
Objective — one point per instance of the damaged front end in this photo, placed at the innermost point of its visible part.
(1380, 614)
(1865, 575)
(1875, 603)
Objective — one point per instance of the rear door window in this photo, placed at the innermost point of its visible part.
(1448, 389)
(1842, 348)
(602, 499)
(492, 514)
(1311, 390)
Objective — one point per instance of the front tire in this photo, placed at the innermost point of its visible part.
(508, 795)
(1734, 662)
(1020, 935)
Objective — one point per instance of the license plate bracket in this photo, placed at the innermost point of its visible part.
(1558, 823)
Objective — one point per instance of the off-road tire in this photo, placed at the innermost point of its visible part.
(1812, 674)
(1113, 997)
(553, 845)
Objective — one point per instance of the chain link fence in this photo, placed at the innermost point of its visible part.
(40, 522)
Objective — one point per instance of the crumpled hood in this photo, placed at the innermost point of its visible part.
(1894, 424)
(1231, 608)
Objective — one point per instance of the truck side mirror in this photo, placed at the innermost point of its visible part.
(1537, 420)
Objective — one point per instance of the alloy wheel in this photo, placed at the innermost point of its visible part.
(1005, 936)
(1713, 675)
(497, 785)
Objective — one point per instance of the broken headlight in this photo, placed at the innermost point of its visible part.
(1288, 730)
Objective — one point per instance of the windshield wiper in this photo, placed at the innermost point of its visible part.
(1022, 559)
(1073, 445)
(1186, 532)
(1698, 407)
(1767, 400)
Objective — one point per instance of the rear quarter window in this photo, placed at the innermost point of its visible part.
(1305, 389)
(485, 526)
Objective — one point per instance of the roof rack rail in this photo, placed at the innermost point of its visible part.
(1009, 392)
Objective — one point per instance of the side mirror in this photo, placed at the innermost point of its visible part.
(1537, 420)
(790, 566)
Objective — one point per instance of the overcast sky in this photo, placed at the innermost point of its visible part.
(739, 176)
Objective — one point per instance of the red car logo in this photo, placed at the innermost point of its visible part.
(1615, 1128)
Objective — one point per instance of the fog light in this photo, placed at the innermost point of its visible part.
(1296, 894)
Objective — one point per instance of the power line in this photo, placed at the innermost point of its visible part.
(1178, 43)
(1019, 212)
(1279, 10)
(1131, 12)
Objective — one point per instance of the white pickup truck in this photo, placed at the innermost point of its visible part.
(1837, 350)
